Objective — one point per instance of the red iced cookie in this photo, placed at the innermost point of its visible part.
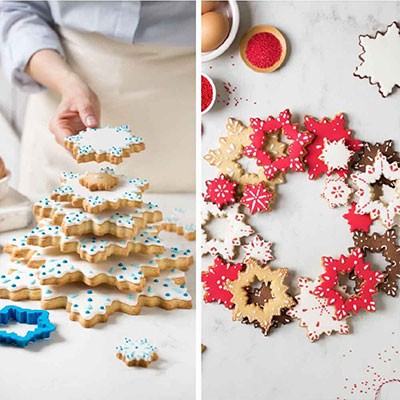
(357, 222)
(327, 131)
(220, 191)
(368, 278)
(215, 278)
(257, 198)
(295, 153)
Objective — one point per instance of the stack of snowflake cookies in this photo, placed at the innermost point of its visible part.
(362, 176)
(96, 248)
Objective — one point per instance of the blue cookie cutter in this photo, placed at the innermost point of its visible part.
(40, 318)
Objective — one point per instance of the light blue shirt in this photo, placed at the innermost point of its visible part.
(27, 27)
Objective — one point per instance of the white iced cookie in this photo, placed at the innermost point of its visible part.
(92, 306)
(336, 192)
(104, 144)
(123, 223)
(237, 229)
(93, 248)
(335, 155)
(139, 353)
(314, 313)
(258, 249)
(385, 205)
(178, 222)
(380, 59)
(128, 193)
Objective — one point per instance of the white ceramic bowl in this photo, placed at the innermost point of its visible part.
(231, 10)
(4, 186)
(214, 94)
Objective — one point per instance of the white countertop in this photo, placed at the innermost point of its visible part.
(240, 363)
(78, 363)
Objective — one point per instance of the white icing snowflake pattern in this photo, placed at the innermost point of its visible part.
(387, 206)
(237, 229)
(335, 155)
(336, 192)
(259, 250)
(314, 313)
(380, 59)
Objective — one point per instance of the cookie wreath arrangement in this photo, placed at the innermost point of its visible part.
(362, 176)
(96, 248)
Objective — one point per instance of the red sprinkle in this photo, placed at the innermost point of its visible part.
(263, 50)
(206, 93)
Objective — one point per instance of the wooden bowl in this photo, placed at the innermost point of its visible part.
(260, 29)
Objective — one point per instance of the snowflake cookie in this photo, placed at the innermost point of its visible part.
(257, 198)
(278, 301)
(220, 191)
(104, 144)
(215, 278)
(138, 353)
(230, 160)
(335, 135)
(336, 192)
(367, 156)
(178, 222)
(315, 313)
(296, 150)
(385, 203)
(236, 230)
(380, 59)
(352, 264)
(357, 222)
(385, 244)
(93, 248)
(258, 249)
(124, 223)
(92, 306)
(128, 193)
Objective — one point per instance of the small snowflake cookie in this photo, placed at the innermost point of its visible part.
(138, 353)
(352, 264)
(315, 313)
(293, 160)
(332, 147)
(258, 249)
(257, 198)
(237, 229)
(104, 144)
(380, 59)
(220, 191)
(385, 203)
(128, 193)
(278, 298)
(357, 222)
(336, 192)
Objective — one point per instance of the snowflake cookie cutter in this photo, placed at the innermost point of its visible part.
(40, 318)
(104, 144)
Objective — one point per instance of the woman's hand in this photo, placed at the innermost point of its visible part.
(79, 109)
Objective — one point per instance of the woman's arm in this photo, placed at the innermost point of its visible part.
(79, 107)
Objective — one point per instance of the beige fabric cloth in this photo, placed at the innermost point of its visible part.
(150, 88)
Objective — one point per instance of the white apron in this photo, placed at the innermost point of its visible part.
(150, 88)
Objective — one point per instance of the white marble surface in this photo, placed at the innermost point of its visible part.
(80, 363)
(240, 362)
